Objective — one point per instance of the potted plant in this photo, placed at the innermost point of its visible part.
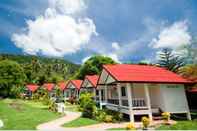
(145, 122)
(166, 117)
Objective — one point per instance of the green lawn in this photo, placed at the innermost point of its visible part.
(81, 122)
(19, 114)
(181, 125)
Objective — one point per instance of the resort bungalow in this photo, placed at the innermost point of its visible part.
(143, 90)
(62, 86)
(50, 87)
(72, 88)
(30, 89)
(90, 85)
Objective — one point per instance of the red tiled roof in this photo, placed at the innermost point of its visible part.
(143, 73)
(32, 87)
(49, 86)
(93, 79)
(62, 85)
(76, 83)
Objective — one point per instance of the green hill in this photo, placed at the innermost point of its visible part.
(37, 67)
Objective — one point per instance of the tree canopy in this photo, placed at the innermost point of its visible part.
(11, 77)
(189, 71)
(170, 61)
(93, 66)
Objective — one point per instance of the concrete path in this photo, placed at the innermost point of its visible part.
(57, 124)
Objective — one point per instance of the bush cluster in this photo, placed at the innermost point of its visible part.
(108, 116)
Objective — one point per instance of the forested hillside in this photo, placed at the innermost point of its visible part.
(41, 69)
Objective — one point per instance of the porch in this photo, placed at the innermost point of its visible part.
(132, 99)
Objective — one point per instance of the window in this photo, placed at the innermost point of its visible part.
(123, 91)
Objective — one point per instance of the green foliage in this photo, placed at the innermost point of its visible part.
(181, 125)
(93, 66)
(11, 78)
(170, 61)
(87, 104)
(100, 115)
(189, 71)
(52, 106)
(108, 115)
(41, 69)
(108, 118)
(24, 115)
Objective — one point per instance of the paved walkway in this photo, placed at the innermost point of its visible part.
(57, 124)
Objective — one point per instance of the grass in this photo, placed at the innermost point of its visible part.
(81, 122)
(23, 115)
(181, 125)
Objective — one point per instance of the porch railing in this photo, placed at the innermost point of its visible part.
(136, 102)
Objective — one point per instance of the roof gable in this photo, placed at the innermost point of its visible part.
(93, 79)
(143, 73)
(32, 87)
(49, 86)
(62, 85)
(76, 83)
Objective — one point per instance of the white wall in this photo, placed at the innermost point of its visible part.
(174, 98)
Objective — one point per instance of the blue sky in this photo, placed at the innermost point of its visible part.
(126, 30)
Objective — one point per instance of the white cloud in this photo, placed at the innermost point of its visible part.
(56, 33)
(114, 56)
(115, 46)
(174, 36)
(85, 59)
(67, 6)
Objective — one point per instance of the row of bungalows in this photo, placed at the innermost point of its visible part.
(134, 90)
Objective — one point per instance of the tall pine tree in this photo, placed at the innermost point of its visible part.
(169, 60)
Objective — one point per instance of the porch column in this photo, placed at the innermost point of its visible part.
(94, 94)
(148, 101)
(100, 99)
(119, 93)
(130, 103)
(105, 93)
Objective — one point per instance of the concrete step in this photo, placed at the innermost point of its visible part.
(157, 117)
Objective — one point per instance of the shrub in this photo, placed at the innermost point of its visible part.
(145, 122)
(117, 116)
(130, 126)
(166, 116)
(72, 100)
(87, 105)
(100, 115)
(108, 118)
(52, 106)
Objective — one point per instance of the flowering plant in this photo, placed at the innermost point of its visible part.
(166, 116)
(130, 126)
(145, 122)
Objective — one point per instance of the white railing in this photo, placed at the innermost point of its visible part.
(136, 102)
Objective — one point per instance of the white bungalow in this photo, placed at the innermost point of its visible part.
(142, 90)
(90, 85)
(30, 89)
(72, 88)
(50, 87)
